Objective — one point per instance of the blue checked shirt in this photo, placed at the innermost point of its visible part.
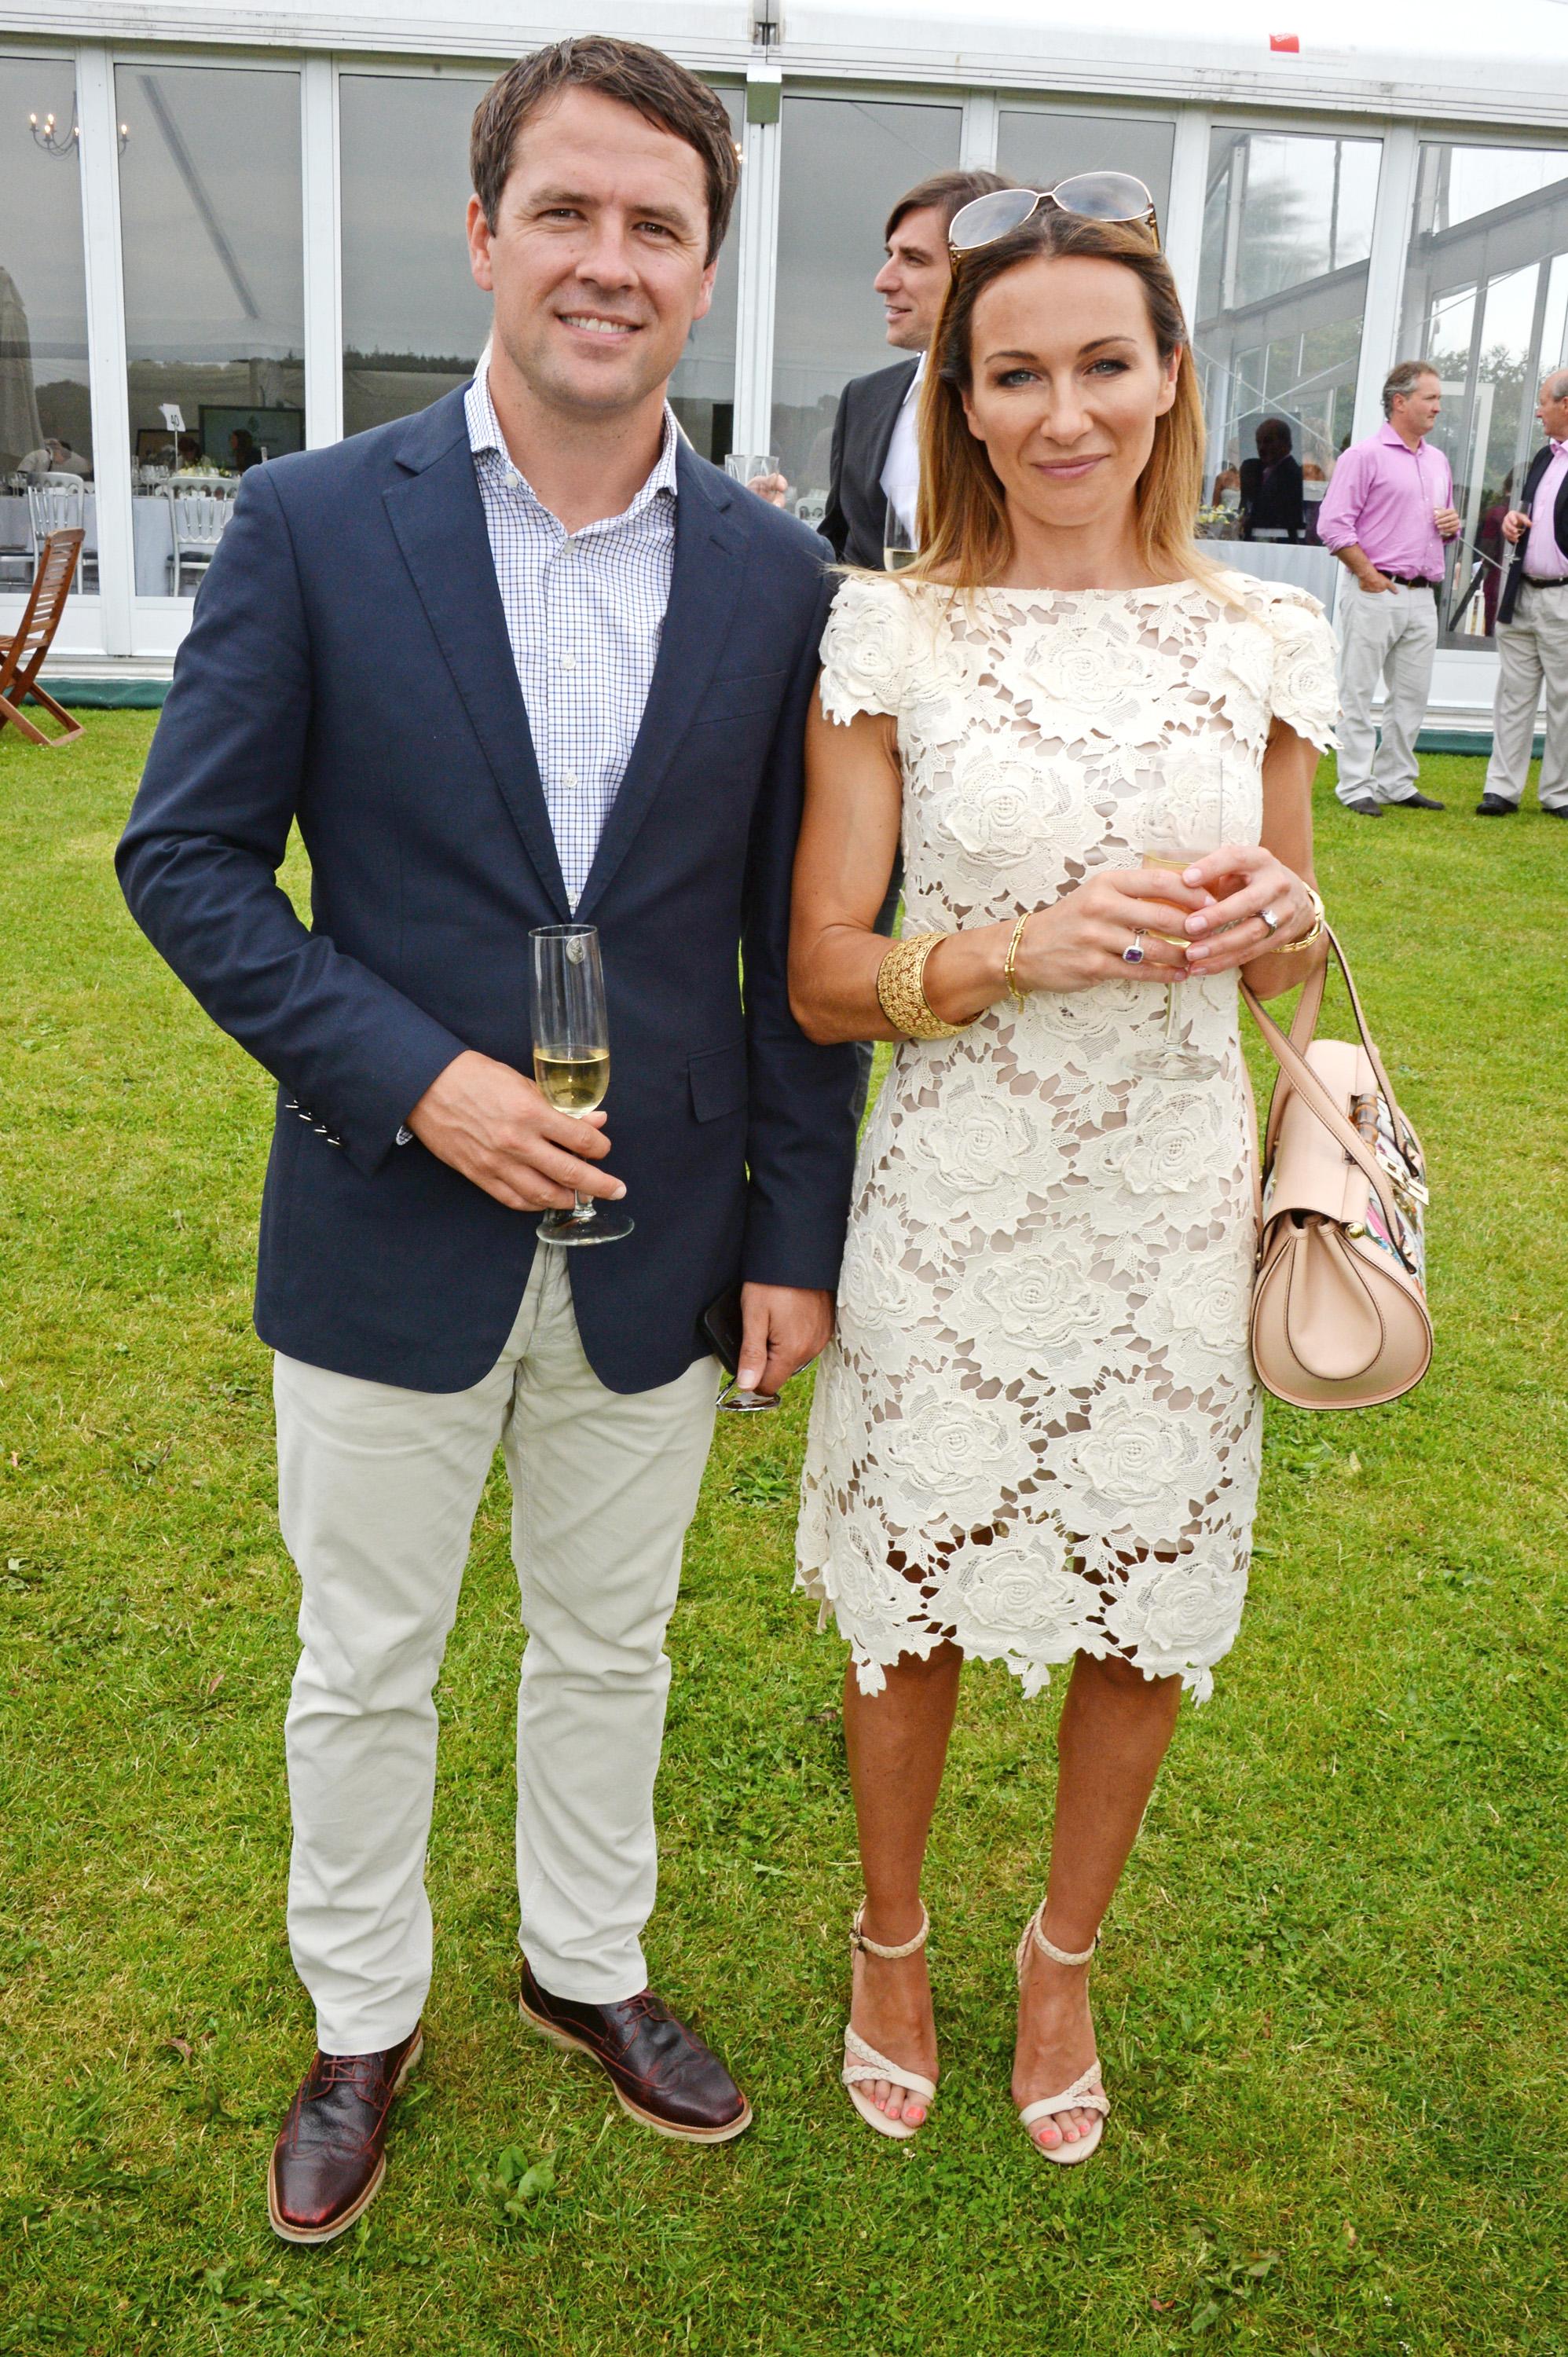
(583, 612)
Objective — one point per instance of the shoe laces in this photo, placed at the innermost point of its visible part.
(358, 2070)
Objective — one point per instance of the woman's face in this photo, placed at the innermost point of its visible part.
(1067, 382)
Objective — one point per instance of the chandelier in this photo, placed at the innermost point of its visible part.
(49, 135)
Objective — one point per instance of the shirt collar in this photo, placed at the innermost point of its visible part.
(1387, 436)
(913, 387)
(485, 435)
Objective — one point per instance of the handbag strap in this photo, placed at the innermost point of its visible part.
(1300, 1077)
(1304, 1024)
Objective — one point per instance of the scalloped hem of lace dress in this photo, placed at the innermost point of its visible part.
(872, 1662)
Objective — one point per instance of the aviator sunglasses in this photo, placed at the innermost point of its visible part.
(1094, 196)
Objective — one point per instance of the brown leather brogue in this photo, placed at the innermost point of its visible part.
(330, 2157)
(661, 2071)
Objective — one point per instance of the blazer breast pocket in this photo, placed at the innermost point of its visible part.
(741, 696)
(718, 1081)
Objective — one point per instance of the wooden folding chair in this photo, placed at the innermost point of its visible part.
(21, 657)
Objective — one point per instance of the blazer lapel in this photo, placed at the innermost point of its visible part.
(899, 381)
(439, 522)
(709, 565)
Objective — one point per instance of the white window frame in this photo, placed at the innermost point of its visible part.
(91, 624)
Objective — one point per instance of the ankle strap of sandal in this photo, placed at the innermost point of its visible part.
(857, 1938)
(1050, 1948)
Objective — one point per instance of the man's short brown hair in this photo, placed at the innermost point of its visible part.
(653, 85)
(1405, 378)
(943, 193)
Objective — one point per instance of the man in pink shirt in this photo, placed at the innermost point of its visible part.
(1532, 626)
(1386, 514)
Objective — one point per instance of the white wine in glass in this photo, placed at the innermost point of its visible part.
(900, 546)
(1173, 862)
(573, 1084)
(572, 1060)
(1171, 847)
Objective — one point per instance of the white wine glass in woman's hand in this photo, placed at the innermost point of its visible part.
(572, 1059)
(1171, 842)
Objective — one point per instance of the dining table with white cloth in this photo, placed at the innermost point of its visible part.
(1305, 567)
(151, 533)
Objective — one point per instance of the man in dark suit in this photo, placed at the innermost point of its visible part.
(877, 412)
(1272, 496)
(874, 456)
(521, 658)
(1532, 626)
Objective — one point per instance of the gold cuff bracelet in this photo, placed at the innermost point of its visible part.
(900, 989)
(1293, 949)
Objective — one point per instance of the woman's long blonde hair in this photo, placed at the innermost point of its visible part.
(964, 537)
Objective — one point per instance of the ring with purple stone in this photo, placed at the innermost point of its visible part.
(1133, 952)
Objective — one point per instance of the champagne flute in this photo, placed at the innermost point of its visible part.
(572, 1059)
(1172, 841)
(900, 546)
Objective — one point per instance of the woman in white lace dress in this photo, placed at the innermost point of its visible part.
(1035, 1438)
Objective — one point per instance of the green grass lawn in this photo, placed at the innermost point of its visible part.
(1331, 1994)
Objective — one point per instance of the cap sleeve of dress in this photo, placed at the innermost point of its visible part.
(1303, 692)
(865, 649)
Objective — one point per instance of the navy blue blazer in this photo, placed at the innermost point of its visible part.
(1514, 580)
(349, 666)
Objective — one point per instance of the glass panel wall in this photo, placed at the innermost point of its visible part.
(701, 391)
(1287, 229)
(213, 251)
(413, 320)
(1040, 149)
(46, 418)
(1486, 301)
(845, 163)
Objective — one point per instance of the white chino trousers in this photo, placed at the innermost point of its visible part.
(1387, 635)
(1532, 654)
(378, 1488)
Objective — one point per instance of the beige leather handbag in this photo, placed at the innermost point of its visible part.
(1340, 1314)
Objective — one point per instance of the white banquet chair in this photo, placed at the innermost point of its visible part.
(200, 508)
(57, 503)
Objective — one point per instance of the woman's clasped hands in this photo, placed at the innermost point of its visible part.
(1219, 902)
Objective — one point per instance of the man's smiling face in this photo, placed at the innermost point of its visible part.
(598, 260)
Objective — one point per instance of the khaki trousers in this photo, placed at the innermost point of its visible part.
(1532, 654)
(377, 1489)
(1388, 635)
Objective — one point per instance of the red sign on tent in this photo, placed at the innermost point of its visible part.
(1289, 42)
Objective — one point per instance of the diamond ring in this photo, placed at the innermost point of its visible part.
(1133, 952)
(1270, 920)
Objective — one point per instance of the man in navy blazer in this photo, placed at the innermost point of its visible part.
(522, 659)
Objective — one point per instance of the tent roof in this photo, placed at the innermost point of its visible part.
(1448, 60)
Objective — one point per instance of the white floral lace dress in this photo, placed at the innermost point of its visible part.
(1036, 1432)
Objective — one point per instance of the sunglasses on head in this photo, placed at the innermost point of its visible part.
(1092, 195)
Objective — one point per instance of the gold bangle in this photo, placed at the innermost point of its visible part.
(1010, 960)
(1293, 949)
(901, 992)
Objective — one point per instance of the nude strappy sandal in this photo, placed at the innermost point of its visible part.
(862, 2064)
(1086, 2093)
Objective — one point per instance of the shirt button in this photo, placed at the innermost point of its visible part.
(570, 779)
(568, 663)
